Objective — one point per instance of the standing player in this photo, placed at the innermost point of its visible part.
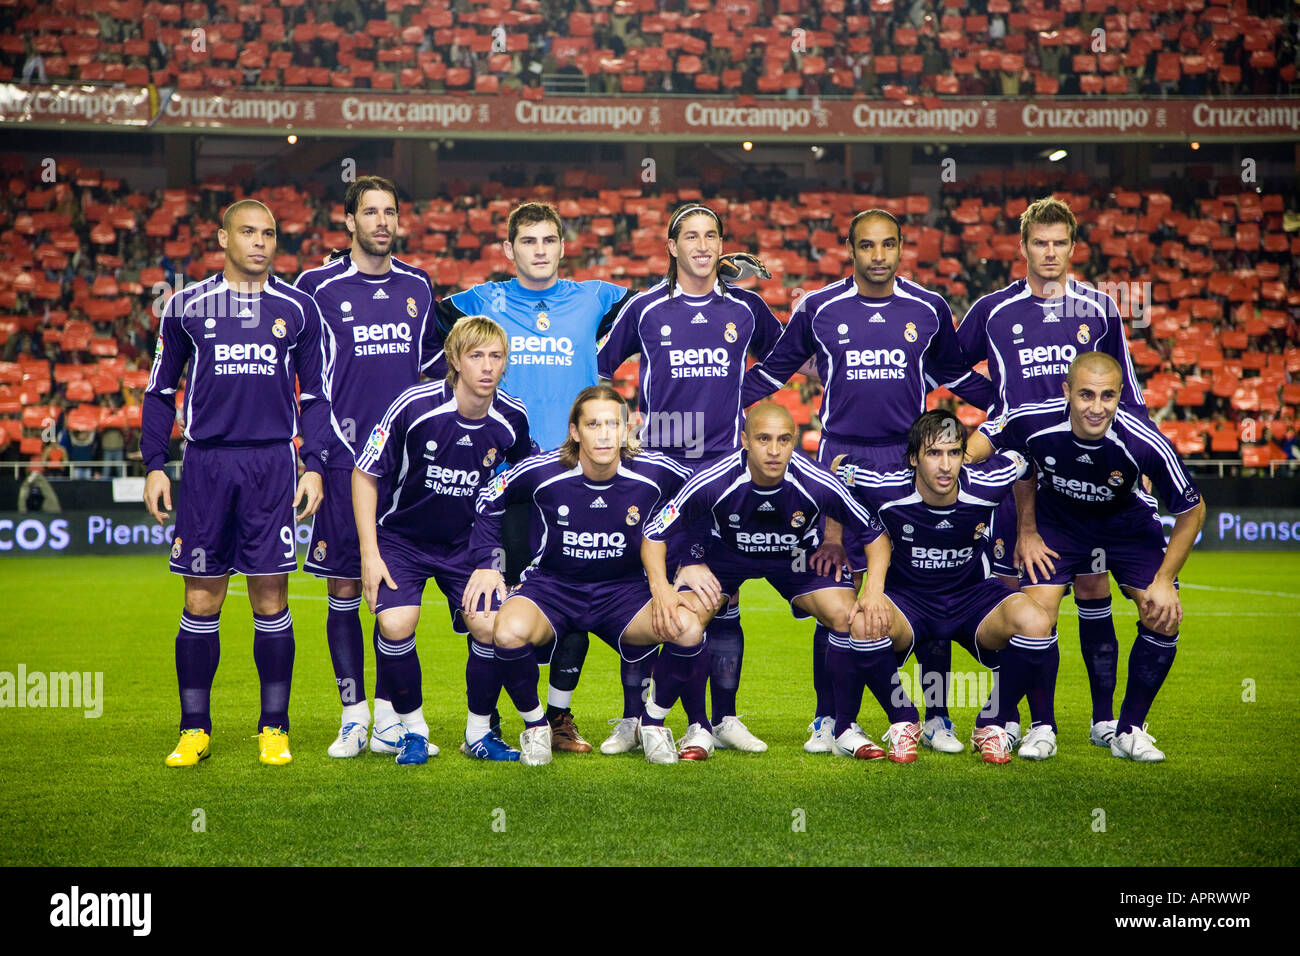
(247, 336)
(692, 334)
(589, 501)
(378, 338)
(1030, 332)
(754, 514)
(939, 587)
(881, 344)
(552, 325)
(1090, 508)
(454, 432)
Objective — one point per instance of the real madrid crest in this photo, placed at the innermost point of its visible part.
(490, 458)
(278, 329)
(411, 309)
(543, 322)
(1083, 335)
(1116, 479)
(980, 530)
(176, 545)
(797, 519)
(633, 514)
(909, 331)
(730, 333)
(319, 553)
(999, 549)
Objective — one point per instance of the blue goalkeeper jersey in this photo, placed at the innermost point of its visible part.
(552, 336)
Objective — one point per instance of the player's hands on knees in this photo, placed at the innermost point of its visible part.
(373, 571)
(871, 616)
(664, 604)
(311, 491)
(158, 485)
(831, 556)
(1033, 554)
(702, 583)
(1161, 607)
(482, 584)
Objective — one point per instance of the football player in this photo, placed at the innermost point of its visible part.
(754, 514)
(589, 501)
(553, 325)
(249, 339)
(413, 493)
(692, 333)
(1030, 332)
(939, 585)
(1090, 513)
(881, 343)
(378, 338)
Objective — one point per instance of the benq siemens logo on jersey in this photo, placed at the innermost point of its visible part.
(875, 364)
(699, 363)
(1046, 360)
(381, 338)
(541, 350)
(244, 358)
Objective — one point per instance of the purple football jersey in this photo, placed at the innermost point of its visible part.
(431, 461)
(1030, 342)
(877, 358)
(692, 362)
(936, 550)
(244, 353)
(1080, 481)
(378, 338)
(581, 529)
(721, 508)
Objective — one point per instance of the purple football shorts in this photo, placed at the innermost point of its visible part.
(235, 512)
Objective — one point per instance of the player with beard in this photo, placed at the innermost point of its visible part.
(1030, 332)
(378, 338)
(938, 515)
(692, 333)
(249, 340)
(881, 344)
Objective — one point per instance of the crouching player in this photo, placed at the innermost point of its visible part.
(1090, 514)
(589, 500)
(424, 463)
(754, 514)
(938, 587)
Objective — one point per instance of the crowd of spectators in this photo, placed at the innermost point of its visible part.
(1209, 273)
(725, 47)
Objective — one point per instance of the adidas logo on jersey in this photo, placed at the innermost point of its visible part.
(944, 525)
(379, 294)
(699, 319)
(464, 440)
(1051, 317)
(877, 318)
(1084, 458)
(598, 503)
(766, 506)
(245, 313)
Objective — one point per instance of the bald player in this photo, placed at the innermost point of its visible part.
(1090, 514)
(250, 340)
(755, 514)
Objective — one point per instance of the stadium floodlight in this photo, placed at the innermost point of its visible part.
(1057, 155)
(747, 146)
(292, 138)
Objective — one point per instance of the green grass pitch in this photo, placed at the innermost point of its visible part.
(88, 792)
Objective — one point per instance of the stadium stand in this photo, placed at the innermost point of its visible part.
(842, 47)
(1205, 272)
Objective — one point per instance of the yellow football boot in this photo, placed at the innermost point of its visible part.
(274, 746)
(195, 745)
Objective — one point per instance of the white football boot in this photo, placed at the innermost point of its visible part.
(1139, 746)
(623, 738)
(1039, 743)
(657, 742)
(731, 734)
